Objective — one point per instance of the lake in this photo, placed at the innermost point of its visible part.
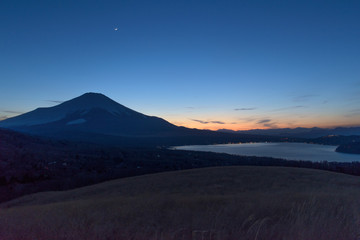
(289, 151)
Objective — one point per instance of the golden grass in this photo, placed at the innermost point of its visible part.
(213, 203)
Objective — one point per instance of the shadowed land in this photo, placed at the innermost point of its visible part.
(31, 164)
(214, 203)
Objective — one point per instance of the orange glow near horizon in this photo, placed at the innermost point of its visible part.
(236, 126)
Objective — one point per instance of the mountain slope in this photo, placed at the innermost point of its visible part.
(90, 113)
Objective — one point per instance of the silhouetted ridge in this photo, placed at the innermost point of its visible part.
(90, 112)
(353, 148)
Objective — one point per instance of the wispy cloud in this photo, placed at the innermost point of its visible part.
(11, 112)
(207, 122)
(217, 122)
(289, 108)
(248, 119)
(245, 109)
(3, 117)
(199, 121)
(303, 98)
(54, 101)
(264, 121)
(267, 123)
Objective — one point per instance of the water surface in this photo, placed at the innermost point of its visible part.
(290, 151)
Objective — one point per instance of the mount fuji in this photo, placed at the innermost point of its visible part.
(89, 113)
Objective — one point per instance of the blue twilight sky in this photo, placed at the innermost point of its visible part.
(204, 64)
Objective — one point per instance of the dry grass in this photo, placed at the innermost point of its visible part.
(213, 203)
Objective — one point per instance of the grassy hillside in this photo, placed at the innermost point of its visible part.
(211, 203)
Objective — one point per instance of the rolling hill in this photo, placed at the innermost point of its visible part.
(211, 203)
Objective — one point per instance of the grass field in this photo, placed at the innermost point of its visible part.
(211, 203)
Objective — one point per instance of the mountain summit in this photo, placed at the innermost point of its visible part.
(88, 113)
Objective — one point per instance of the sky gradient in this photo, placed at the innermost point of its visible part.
(202, 64)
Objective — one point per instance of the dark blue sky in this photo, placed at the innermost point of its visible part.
(229, 64)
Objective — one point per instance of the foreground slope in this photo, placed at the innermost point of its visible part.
(211, 203)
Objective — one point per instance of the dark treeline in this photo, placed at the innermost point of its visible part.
(353, 147)
(334, 140)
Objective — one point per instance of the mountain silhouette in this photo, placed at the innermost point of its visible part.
(89, 113)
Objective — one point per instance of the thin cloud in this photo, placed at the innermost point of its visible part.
(245, 109)
(54, 101)
(248, 119)
(303, 98)
(217, 122)
(199, 121)
(3, 117)
(263, 121)
(268, 123)
(299, 106)
(289, 108)
(207, 122)
(11, 112)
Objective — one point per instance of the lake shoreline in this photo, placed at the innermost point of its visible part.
(284, 150)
